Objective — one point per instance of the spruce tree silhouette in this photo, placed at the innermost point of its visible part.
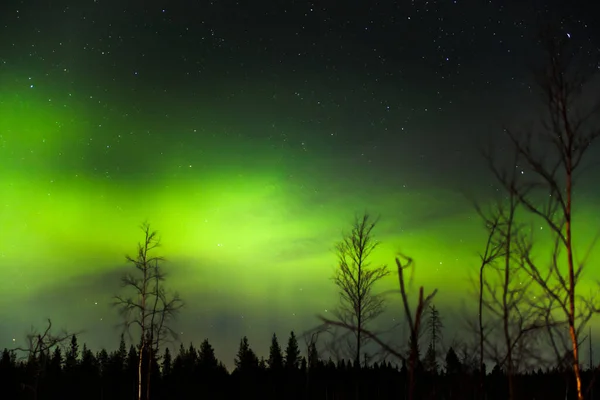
(430, 363)
(275, 361)
(292, 353)
(246, 360)
(206, 357)
(452, 365)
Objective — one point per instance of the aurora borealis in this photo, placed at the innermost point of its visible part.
(249, 136)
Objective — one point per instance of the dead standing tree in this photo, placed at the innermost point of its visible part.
(312, 354)
(568, 134)
(151, 308)
(413, 321)
(505, 293)
(355, 279)
(39, 346)
(492, 251)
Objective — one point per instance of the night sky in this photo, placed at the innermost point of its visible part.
(249, 135)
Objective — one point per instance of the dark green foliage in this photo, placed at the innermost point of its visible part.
(275, 361)
(167, 363)
(246, 359)
(313, 356)
(56, 361)
(103, 361)
(429, 362)
(434, 327)
(262, 364)
(292, 353)
(207, 359)
(88, 360)
(453, 365)
(303, 364)
(131, 365)
(72, 355)
(122, 352)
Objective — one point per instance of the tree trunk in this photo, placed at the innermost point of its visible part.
(140, 360)
(572, 310)
(506, 310)
(481, 372)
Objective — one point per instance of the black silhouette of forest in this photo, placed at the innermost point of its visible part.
(76, 372)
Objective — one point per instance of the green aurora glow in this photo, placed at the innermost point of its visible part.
(242, 234)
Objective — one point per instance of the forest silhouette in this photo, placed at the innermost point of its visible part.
(195, 373)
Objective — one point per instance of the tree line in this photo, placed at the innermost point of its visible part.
(70, 372)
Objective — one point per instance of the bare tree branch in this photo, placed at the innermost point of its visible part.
(413, 320)
(355, 279)
(37, 352)
(150, 308)
(566, 136)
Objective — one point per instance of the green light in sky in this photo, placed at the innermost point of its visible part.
(251, 234)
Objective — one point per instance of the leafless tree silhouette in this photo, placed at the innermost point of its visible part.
(39, 346)
(150, 308)
(413, 321)
(506, 292)
(492, 251)
(554, 155)
(356, 278)
(311, 338)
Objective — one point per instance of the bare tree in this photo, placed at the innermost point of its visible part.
(505, 293)
(312, 354)
(39, 346)
(333, 344)
(311, 338)
(566, 135)
(413, 321)
(355, 279)
(151, 308)
(492, 251)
